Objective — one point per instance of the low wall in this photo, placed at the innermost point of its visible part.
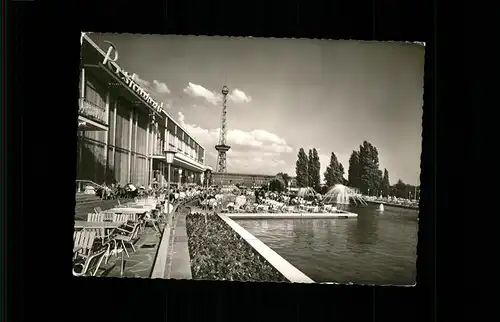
(289, 271)
(160, 262)
(345, 215)
(392, 204)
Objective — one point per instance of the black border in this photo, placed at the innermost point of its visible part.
(43, 55)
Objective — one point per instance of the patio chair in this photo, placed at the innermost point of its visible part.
(105, 236)
(128, 220)
(126, 235)
(108, 216)
(135, 219)
(120, 218)
(95, 217)
(153, 219)
(88, 254)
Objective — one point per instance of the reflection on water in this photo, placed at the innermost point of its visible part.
(376, 248)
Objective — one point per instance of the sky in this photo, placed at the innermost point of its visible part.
(286, 94)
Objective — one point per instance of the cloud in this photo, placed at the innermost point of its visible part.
(251, 151)
(238, 96)
(181, 117)
(161, 87)
(195, 90)
(156, 87)
(140, 81)
(168, 104)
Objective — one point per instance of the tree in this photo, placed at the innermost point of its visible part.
(341, 173)
(334, 173)
(402, 190)
(386, 186)
(316, 177)
(380, 178)
(302, 176)
(276, 185)
(353, 172)
(310, 169)
(285, 177)
(369, 176)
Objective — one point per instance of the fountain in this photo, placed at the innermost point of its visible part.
(273, 209)
(342, 195)
(306, 192)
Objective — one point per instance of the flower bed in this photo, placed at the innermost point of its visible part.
(219, 253)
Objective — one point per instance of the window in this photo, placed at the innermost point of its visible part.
(171, 140)
(171, 127)
(122, 127)
(95, 93)
(179, 144)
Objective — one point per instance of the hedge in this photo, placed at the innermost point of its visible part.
(218, 253)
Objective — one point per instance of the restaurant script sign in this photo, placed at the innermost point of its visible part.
(127, 78)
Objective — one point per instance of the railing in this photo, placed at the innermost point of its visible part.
(91, 110)
(81, 184)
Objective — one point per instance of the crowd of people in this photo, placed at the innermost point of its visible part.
(129, 190)
(394, 201)
(250, 200)
(215, 197)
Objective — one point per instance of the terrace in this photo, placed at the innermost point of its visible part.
(175, 246)
(124, 242)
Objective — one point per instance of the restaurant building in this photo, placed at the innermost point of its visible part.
(123, 133)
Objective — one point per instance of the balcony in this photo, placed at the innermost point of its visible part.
(185, 161)
(91, 117)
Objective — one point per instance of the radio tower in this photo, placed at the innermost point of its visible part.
(222, 147)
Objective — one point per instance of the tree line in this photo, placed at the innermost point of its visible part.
(308, 167)
(363, 174)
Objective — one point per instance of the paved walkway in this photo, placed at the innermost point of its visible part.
(140, 263)
(179, 262)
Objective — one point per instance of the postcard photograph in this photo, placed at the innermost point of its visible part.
(248, 159)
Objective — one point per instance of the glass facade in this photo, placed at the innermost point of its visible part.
(129, 148)
(180, 141)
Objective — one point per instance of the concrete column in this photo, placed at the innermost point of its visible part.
(147, 170)
(135, 143)
(83, 84)
(130, 123)
(106, 139)
(153, 145)
(113, 140)
(80, 133)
